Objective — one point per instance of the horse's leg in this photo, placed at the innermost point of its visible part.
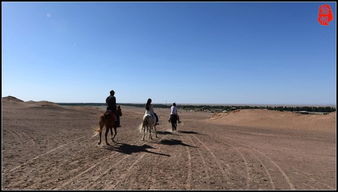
(111, 133)
(106, 134)
(115, 132)
(175, 124)
(144, 133)
(100, 138)
(150, 128)
(155, 131)
(101, 123)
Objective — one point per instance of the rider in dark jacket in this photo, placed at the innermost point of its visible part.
(111, 105)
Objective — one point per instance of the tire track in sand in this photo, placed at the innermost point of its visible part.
(287, 179)
(21, 134)
(278, 167)
(270, 160)
(226, 176)
(188, 182)
(94, 182)
(30, 138)
(16, 135)
(45, 173)
(203, 160)
(266, 171)
(104, 173)
(98, 174)
(121, 178)
(246, 163)
(129, 171)
(189, 174)
(46, 153)
(308, 186)
(155, 169)
(248, 178)
(85, 171)
(308, 176)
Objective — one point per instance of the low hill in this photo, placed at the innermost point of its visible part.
(275, 119)
(11, 99)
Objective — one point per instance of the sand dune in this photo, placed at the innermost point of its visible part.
(15, 102)
(11, 99)
(275, 119)
(48, 147)
(44, 105)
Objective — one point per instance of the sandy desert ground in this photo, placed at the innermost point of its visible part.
(47, 146)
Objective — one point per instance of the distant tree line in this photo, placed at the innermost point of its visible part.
(124, 104)
(143, 105)
(82, 104)
(222, 108)
(277, 108)
(303, 108)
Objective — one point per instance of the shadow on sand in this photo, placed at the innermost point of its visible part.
(190, 132)
(174, 142)
(129, 149)
(164, 132)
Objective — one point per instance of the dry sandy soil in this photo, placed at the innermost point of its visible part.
(46, 146)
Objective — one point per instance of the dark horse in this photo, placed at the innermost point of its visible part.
(173, 120)
(107, 120)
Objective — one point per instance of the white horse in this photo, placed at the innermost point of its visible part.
(148, 124)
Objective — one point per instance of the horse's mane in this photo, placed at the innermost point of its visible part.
(147, 113)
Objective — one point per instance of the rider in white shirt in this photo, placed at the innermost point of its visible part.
(173, 111)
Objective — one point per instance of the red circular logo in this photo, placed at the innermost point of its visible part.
(325, 14)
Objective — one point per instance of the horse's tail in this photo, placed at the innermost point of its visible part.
(141, 126)
(100, 124)
(97, 131)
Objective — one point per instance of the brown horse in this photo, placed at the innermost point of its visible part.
(107, 120)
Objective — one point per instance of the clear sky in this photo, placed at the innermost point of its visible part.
(217, 53)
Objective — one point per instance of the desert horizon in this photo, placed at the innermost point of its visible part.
(50, 146)
(169, 96)
(182, 104)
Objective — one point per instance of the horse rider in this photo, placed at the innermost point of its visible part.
(150, 108)
(111, 105)
(173, 113)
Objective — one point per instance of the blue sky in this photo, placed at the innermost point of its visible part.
(217, 53)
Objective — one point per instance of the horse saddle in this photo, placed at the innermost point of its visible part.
(173, 118)
(109, 115)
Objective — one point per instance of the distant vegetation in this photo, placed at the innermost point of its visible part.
(122, 104)
(227, 108)
(223, 108)
(82, 104)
